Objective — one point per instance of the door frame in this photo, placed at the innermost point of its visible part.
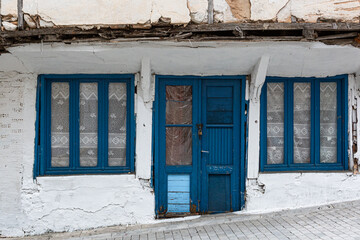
(156, 144)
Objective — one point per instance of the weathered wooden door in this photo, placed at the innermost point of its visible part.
(199, 150)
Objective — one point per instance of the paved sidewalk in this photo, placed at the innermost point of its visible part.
(337, 221)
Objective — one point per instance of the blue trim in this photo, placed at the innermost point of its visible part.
(37, 150)
(43, 152)
(342, 143)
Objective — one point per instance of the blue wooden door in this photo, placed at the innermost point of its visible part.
(198, 150)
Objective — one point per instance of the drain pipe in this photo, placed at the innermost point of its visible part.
(210, 11)
(20, 15)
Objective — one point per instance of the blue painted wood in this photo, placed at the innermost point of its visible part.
(37, 150)
(196, 179)
(219, 193)
(179, 198)
(219, 92)
(219, 104)
(178, 193)
(222, 141)
(178, 208)
(220, 146)
(45, 121)
(219, 117)
(315, 164)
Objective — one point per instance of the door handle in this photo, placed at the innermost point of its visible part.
(203, 151)
(199, 127)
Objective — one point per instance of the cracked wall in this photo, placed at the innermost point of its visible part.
(47, 13)
(305, 10)
(60, 203)
(278, 191)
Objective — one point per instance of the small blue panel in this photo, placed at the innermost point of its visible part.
(219, 91)
(219, 193)
(178, 193)
(219, 104)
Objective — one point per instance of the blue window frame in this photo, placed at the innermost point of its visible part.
(85, 124)
(304, 124)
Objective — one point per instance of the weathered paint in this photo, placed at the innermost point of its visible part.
(277, 191)
(178, 193)
(57, 203)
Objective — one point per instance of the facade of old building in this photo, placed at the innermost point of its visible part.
(127, 111)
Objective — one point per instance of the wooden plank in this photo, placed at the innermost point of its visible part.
(178, 198)
(219, 91)
(338, 36)
(180, 208)
(219, 104)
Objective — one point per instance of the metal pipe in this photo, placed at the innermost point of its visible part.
(20, 14)
(210, 11)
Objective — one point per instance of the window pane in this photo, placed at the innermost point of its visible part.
(60, 124)
(302, 122)
(178, 146)
(328, 122)
(275, 123)
(117, 124)
(178, 104)
(88, 124)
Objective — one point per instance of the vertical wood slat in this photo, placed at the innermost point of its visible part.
(220, 145)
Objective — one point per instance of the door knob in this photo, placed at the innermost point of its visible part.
(203, 151)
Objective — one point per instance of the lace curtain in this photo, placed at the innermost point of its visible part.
(88, 124)
(328, 122)
(275, 123)
(117, 124)
(302, 122)
(60, 124)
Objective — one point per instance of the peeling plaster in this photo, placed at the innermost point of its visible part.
(8, 7)
(198, 10)
(66, 203)
(265, 9)
(222, 12)
(240, 8)
(298, 190)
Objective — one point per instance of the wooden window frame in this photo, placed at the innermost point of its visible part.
(342, 126)
(42, 164)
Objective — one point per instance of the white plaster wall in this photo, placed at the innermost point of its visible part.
(307, 10)
(277, 191)
(80, 202)
(67, 203)
(87, 12)
(91, 12)
(8, 7)
(11, 151)
(56, 203)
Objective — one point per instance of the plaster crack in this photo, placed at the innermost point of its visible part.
(98, 57)
(283, 7)
(82, 210)
(22, 63)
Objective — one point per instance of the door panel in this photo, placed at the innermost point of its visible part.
(220, 145)
(199, 156)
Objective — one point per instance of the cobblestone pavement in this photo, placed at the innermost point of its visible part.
(338, 221)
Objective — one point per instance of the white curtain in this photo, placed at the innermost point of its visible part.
(275, 123)
(60, 124)
(117, 124)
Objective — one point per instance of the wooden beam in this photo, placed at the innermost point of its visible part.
(338, 36)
